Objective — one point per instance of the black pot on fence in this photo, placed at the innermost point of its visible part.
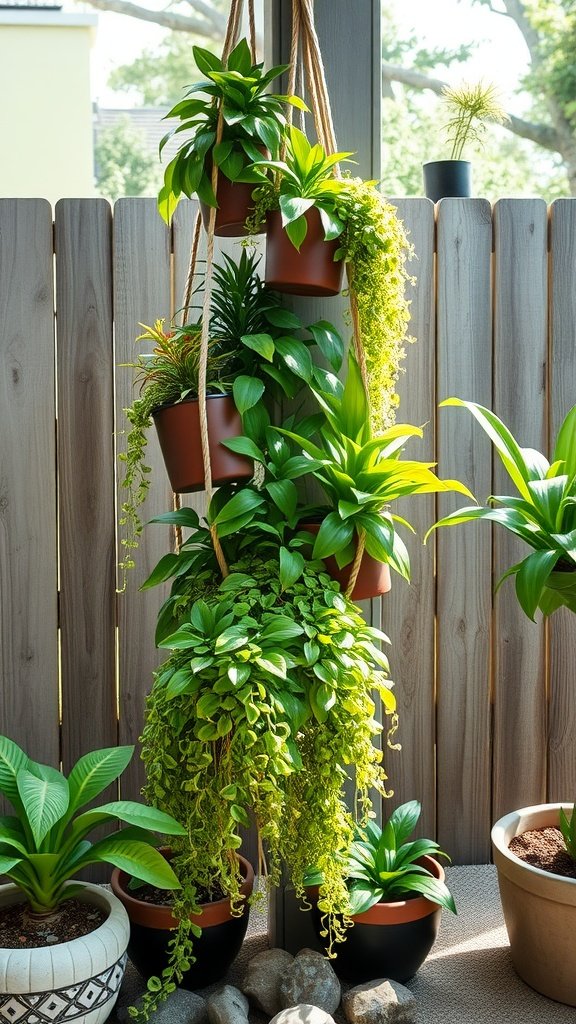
(445, 179)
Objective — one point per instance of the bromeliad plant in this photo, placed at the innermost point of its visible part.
(372, 244)
(252, 119)
(362, 476)
(382, 866)
(542, 513)
(45, 842)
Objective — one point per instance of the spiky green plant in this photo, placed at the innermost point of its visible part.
(470, 105)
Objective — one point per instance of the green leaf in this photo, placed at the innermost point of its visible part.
(140, 815)
(334, 535)
(404, 820)
(284, 495)
(12, 759)
(206, 62)
(531, 579)
(566, 444)
(291, 568)
(333, 226)
(244, 501)
(245, 446)
(505, 444)
(45, 796)
(247, 391)
(297, 231)
(329, 342)
(94, 772)
(263, 344)
(135, 858)
(294, 207)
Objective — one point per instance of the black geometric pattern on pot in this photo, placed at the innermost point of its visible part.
(63, 1004)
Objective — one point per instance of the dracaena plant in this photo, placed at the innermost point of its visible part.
(542, 513)
(362, 476)
(305, 180)
(568, 830)
(252, 119)
(383, 866)
(45, 842)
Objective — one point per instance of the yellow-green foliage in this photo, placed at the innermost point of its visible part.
(376, 250)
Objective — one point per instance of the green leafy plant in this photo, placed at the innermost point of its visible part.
(470, 106)
(568, 830)
(373, 245)
(44, 843)
(263, 707)
(542, 513)
(305, 180)
(362, 475)
(251, 119)
(382, 866)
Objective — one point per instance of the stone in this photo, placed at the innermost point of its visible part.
(227, 1006)
(379, 1002)
(305, 1013)
(180, 1007)
(262, 979)
(310, 980)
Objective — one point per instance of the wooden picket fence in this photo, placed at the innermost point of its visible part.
(487, 699)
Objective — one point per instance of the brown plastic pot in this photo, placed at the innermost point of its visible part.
(310, 271)
(178, 429)
(391, 940)
(151, 927)
(235, 204)
(539, 908)
(373, 578)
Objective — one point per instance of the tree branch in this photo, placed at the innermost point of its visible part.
(543, 135)
(213, 26)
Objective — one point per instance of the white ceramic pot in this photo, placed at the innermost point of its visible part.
(539, 908)
(70, 981)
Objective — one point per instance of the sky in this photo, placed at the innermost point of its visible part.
(501, 56)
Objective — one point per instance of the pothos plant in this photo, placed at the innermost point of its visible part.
(373, 245)
(263, 707)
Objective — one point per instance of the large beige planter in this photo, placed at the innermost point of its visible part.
(539, 908)
(71, 981)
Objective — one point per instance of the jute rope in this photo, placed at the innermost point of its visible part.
(230, 41)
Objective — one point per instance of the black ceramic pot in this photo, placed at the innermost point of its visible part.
(151, 928)
(444, 179)
(391, 940)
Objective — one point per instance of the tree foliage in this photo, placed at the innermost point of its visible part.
(124, 166)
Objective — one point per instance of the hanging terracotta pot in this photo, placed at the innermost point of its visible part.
(310, 271)
(234, 206)
(373, 578)
(391, 940)
(178, 429)
(152, 925)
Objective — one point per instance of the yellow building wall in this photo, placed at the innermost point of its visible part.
(46, 145)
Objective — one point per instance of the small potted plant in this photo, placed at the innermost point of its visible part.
(63, 940)
(542, 513)
(251, 119)
(362, 475)
(317, 225)
(397, 891)
(470, 106)
(536, 872)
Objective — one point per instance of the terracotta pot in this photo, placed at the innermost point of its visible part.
(310, 271)
(77, 980)
(391, 940)
(373, 578)
(234, 206)
(178, 429)
(539, 908)
(151, 927)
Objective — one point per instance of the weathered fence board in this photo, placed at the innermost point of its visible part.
(562, 396)
(464, 600)
(486, 699)
(408, 611)
(520, 366)
(85, 372)
(28, 537)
